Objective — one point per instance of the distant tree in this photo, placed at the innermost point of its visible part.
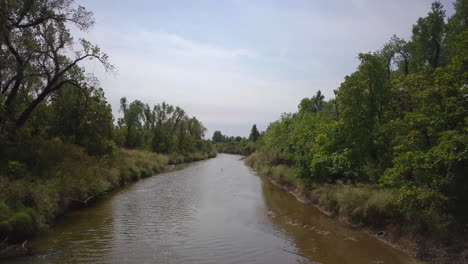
(314, 104)
(218, 137)
(317, 102)
(132, 122)
(254, 134)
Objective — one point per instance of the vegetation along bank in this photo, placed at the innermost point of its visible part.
(60, 145)
(390, 151)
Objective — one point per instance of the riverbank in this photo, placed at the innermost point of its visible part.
(368, 207)
(217, 205)
(62, 177)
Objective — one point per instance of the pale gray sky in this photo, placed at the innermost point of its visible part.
(239, 62)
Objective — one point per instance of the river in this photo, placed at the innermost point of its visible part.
(213, 211)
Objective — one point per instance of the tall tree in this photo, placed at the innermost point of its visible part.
(402, 52)
(218, 137)
(314, 104)
(35, 59)
(428, 36)
(254, 134)
(317, 102)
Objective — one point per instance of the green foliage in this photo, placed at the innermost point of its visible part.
(254, 134)
(42, 57)
(15, 169)
(314, 104)
(218, 137)
(20, 224)
(57, 175)
(236, 145)
(399, 121)
(428, 36)
(362, 204)
(59, 146)
(162, 129)
(333, 167)
(80, 117)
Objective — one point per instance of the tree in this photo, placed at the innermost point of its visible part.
(397, 50)
(78, 118)
(456, 24)
(34, 56)
(254, 134)
(317, 102)
(428, 36)
(218, 137)
(403, 127)
(314, 104)
(132, 122)
(162, 128)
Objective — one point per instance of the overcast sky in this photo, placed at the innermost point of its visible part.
(235, 63)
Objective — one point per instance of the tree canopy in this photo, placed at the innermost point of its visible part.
(38, 55)
(400, 121)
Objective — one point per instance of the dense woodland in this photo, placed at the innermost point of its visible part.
(399, 123)
(60, 145)
(394, 139)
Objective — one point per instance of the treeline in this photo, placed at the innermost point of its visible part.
(163, 129)
(400, 121)
(236, 145)
(59, 144)
(45, 92)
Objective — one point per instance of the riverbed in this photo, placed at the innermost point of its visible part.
(212, 211)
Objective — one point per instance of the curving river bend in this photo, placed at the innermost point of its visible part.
(213, 211)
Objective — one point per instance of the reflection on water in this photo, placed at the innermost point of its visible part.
(214, 211)
(322, 239)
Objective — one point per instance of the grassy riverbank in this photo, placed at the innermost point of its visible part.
(370, 207)
(361, 203)
(46, 178)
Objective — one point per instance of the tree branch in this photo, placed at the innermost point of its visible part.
(27, 112)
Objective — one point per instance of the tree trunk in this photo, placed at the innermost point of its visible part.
(27, 112)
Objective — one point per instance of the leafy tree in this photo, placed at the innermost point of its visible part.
(399, 52)
(81, 118)
(132, 122)
(163, 128)
(399, 120)
(34, 58)
(428, 37)
(313, 104)
(218, 137)
(254, 134)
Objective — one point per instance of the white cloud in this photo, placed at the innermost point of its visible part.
(274, 56)
(178, 45)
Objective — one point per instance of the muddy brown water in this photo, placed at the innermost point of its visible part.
(213, 211)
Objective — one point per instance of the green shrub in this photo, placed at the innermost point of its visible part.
(16, 169)
(19, 225)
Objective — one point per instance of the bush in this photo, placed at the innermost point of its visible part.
(331, 167)
(19, 225)
(16, 169)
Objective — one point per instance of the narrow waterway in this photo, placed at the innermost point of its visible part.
(213, 211)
